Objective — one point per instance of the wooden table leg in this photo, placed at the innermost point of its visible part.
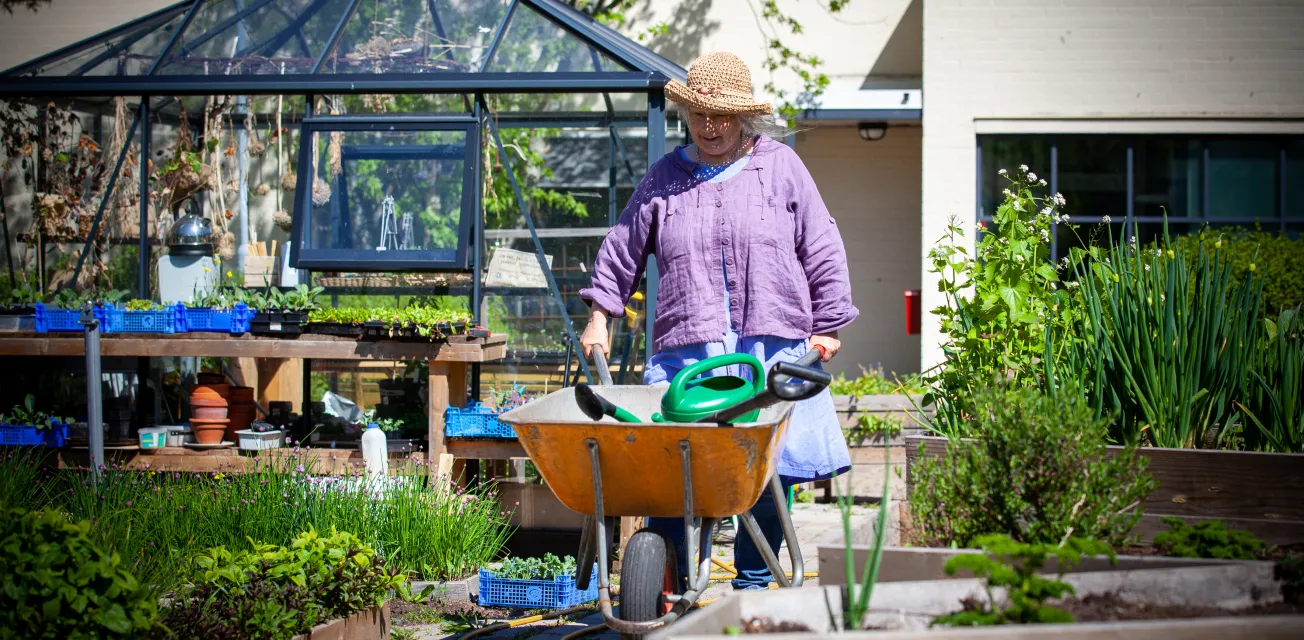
(447, 389)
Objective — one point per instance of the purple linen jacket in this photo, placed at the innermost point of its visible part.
(786, 264)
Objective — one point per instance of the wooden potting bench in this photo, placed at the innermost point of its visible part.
(447, 360)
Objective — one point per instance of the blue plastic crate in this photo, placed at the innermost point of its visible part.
(558, 593)
(233, 320)
(26, 435)
(115, 320)
(475, 421)
(50, 319)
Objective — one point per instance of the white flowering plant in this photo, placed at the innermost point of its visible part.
(1001, 303)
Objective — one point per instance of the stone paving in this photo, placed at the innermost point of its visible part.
(816, 524)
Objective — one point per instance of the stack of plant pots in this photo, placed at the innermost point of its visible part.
(241, 411)
(209, 412)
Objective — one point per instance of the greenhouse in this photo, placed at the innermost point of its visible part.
(466, 151)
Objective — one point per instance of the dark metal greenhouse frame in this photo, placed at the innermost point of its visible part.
(648, 74)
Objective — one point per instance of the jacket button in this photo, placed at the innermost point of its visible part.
(719, 204)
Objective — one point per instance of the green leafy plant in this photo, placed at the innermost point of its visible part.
(1015, 567)
(70, 298)
(1274, 402)
(550, 567)
(1000, 304)
(273, 591)
(870, 425)
(143, 305)
(389, 425)
(874, 382)
(1208, 539)
(22, 294)
(27, 415)
(1037, 470)
(1169, 341)
(60, 584)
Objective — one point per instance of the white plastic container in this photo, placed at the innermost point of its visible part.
(375, 452)
(178, 434)
(153, 437)
(251, 440)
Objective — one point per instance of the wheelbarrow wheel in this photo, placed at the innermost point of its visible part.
(649, 571)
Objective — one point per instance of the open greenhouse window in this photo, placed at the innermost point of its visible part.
(385, 195)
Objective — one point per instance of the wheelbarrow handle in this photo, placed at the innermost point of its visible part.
(600, 361)
(787, 381)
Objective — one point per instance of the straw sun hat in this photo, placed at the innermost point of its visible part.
(718, 83)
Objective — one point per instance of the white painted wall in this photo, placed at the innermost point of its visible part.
(872, 189)
(1217, 61)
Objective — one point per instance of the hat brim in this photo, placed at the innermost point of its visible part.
(679, 92)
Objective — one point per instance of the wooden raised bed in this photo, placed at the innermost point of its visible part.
(899, 407)
(372, 624)
(1259, 492)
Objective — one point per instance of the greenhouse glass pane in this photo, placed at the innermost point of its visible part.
(255, 37)
(397, 192)
(129, 54)
(416, 36)
(535, 44)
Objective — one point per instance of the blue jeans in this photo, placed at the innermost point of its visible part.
(752, 572)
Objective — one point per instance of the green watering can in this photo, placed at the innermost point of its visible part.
(691, 400)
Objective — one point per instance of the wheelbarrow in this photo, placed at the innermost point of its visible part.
(703, 472)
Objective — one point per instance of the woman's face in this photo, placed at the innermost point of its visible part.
(716, 134)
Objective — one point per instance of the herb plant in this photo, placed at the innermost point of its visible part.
(1014, 567)
(1000, 304)
(1274, 400)
(870, 425)
(60, 584)
(550, 567)
(1037, 471)
(26, 414)
(1208, 539)
(273, 591)
(1169, 341)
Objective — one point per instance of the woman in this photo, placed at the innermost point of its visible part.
(749, 260)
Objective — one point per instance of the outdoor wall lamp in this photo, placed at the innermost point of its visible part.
(872, 131)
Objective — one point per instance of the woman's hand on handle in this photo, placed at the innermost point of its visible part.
(828, 342)
(596, 334)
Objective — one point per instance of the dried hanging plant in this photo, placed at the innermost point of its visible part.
(283, 220)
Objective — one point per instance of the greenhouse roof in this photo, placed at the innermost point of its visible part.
(211, 47)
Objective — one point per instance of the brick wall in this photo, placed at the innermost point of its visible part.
(1218, 63)
(872, 189)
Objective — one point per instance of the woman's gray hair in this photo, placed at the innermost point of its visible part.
(755, 124)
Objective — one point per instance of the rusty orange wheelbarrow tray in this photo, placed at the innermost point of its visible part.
(700, 472)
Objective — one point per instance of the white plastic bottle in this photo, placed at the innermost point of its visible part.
(375, 452)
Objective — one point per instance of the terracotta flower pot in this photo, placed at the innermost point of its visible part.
(209, 431)
(242, 394)
(199, 412)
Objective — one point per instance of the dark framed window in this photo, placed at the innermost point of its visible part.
(385, 194)
(1135, 182)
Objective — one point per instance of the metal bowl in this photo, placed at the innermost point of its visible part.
(191, 235)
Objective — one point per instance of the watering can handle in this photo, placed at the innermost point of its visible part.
(692, 371)
(600, 361)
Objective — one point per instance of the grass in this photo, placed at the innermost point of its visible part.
(156, 520)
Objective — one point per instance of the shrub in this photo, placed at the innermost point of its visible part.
(1275, 256)
(1038, 471)
(1209, 539)
(1014, 567)
(59, 584)
(278, 592)
(875, 382)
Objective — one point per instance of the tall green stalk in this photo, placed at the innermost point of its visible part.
(859, 591)
(1169, 342)
(1274, 402)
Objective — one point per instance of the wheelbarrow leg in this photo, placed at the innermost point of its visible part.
(587, 555)
(789, 536)
(600, 532)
